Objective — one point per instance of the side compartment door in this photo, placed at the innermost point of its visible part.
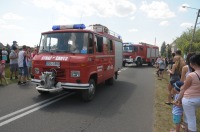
(99, 58)
(110, 58)
(92, 64)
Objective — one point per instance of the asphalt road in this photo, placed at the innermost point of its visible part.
(127, 106)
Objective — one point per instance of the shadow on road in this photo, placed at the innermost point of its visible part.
(134, 66)
(108, 100)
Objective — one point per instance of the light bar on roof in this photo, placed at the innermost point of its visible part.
(74, 26)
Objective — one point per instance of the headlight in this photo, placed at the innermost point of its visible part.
(75, 73)
(37, 71)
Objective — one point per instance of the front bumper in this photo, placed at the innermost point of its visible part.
(62, 85)
(129, 60)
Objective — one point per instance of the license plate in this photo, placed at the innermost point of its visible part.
(52, 63)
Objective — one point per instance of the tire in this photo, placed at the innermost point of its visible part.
(109, 81)
(124, 64)
(88, 94)
(138, 62)
(116, 75)
(43, 92)
(152, 62)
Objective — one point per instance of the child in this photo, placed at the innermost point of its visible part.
(162, 67)
(2, 71)
(177, 109)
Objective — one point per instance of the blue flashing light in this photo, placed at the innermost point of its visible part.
(79, 26)
(56, 27)
(119, 37)
(74, 26)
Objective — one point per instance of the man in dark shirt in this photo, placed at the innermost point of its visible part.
(14, 45)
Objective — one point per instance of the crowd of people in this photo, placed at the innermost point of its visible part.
(183, 88)
(20, 63)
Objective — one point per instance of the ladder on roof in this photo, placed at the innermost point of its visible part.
(103, 29)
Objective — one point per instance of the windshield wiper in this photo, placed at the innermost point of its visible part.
(65, 51)
(43, 50)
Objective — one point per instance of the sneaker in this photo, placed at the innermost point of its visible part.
(23, 83)
(16, 77)
(19, 83)
(168, 103)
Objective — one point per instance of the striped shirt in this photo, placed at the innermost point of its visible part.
(177, 110)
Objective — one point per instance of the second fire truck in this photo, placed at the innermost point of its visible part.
(139, 54)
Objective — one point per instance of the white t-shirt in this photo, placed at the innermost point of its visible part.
(21, 59)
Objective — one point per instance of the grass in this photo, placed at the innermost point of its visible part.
(162, 112)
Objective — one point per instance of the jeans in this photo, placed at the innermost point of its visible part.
(189, 106)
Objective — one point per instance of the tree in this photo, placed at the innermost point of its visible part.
(183, 42)
(163, 49)
(168, 51)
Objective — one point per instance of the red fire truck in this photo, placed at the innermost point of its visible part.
(72, 57)
(139, 54)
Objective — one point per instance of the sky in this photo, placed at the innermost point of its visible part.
(148, 21)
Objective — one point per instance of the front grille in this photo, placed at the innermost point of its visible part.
(126, 56)
(61, 74)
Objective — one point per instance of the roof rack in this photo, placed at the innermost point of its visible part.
(142, 43)
(103, 29)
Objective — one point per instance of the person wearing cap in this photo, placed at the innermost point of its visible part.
(177, 109)
(14, 45)
(13, 62)
(2, 71)
(190, 94)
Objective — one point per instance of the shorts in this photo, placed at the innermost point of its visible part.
(23, 71)
(161, 70)
(177, 119)
(29, 64)
(13, 67)
(173, 81)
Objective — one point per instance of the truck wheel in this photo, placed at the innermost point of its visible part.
(152, 62)
(88, 94)
(109, 81)
(138, 62)
(116, 75)
(43, 92)
(123, 64)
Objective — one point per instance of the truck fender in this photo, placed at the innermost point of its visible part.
(136, 58)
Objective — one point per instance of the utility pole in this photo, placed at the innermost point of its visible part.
(198, 15)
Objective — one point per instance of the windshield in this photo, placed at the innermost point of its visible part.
(129, 48)
(64, 42)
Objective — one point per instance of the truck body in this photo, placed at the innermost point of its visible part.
(139, 54)
(77, 59)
